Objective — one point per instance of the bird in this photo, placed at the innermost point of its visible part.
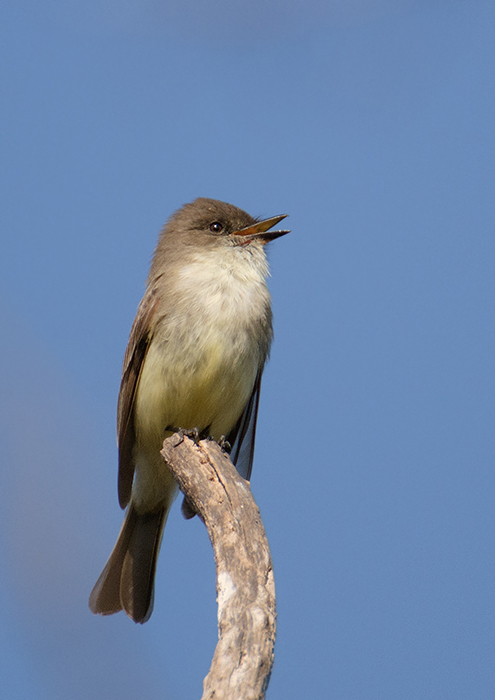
(194, 362)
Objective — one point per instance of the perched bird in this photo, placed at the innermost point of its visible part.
(194, 360)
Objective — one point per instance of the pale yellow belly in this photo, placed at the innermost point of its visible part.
(203, 387)
(207, 389)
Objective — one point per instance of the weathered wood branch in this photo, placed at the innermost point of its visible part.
(243, 657)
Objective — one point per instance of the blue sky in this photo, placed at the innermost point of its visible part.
(371, 125)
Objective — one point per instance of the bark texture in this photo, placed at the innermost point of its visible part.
(243, 657)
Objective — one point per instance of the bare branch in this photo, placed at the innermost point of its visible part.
(243, 657)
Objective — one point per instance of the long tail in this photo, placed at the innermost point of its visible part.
(128, 580)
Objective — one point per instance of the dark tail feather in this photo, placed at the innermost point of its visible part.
(128, 580)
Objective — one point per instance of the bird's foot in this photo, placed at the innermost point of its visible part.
(222, 443)
(225, 444)
(190, 433)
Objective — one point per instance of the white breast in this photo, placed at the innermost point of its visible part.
(231, 288)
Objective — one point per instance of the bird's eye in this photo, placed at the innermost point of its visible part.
(216, 227)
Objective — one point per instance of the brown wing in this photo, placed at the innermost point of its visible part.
(137, 347)
(242, 436)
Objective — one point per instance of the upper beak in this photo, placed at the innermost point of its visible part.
(259, 231)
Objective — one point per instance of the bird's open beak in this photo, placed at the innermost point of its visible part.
(259, 231)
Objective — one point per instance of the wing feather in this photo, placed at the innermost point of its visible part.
(135, 354)
(242, 437)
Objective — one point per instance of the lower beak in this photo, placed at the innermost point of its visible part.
(260, 230)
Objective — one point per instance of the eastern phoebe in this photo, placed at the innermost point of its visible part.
(194, 360)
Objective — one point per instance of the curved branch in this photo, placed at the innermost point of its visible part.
(243, 656)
